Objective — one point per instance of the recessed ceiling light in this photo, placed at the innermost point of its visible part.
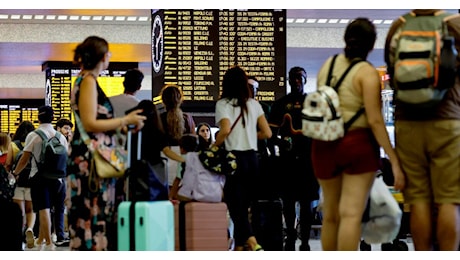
(62, 17)
(301, 20)
(344, 20)
(333, 21)
(15, 16)
(50, 17)
(120, 18)
(143, 18)
(97, 18)
(388, 22)
(311, 20)
(289, 20)
(74, 17)
(131, 18)
(85, 18)
(322, 20)
(3, 16)
(108, 18)
(39, 17)
(377, 21)
(27, 17)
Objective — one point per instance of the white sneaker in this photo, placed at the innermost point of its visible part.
(30, 240)
(39, 243)
(50, 247)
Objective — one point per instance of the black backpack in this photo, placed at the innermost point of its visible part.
(23, 179)
(53, 158)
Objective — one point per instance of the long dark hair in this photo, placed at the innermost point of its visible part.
(150, 111)
(359, 37)
(235, 85)
(88, 53)
(24, 128)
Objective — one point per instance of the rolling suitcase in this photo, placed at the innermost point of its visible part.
(267, 224)
(201, 226)
(144, 225)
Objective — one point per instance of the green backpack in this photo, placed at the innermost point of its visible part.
(424, 60)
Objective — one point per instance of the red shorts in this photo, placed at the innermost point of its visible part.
(357, 152)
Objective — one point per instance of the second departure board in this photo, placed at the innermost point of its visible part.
(14, 111)
(194, 48)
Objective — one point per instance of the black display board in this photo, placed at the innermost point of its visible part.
(14, 111)
(60, 77)
(194, 48)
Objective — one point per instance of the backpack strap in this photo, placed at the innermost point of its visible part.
(352, 64)
(18, 144)
(329, 74)
(43, 137)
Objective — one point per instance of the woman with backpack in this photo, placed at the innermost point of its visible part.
(22, 191)
(346, 167)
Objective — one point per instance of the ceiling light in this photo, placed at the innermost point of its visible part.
(289, 20)
(143, 19)
(322, 20)
(120, 18)
(311, 20)
(108, 18)
(15, 16)
(388, 22)
(62, 17)
(74, 17)
(39, 17)
(344, 20)
(301, 20)
(3, 16)
(50, 17)
(85, 17)
(132, 18)
(333, 20)
(377, 21)
(97, 18)
(27, 17)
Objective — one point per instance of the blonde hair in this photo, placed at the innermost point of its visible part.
(5, 140)
(171, 96)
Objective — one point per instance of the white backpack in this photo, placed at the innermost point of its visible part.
(321, 114)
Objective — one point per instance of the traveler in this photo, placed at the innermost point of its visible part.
(175, 123)
(236, 102)
(45, 192)
(132, 83)
(428, 144)
(22, 191)
(92, 217)
(297, 183)
(346, 168)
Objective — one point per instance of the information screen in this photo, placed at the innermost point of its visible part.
(60, 77)
(14, 111)
(194, 48)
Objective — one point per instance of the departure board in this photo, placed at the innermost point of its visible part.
(14, 111)
(60, 77)
(194, 48)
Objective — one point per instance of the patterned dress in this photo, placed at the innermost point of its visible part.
(92, 215)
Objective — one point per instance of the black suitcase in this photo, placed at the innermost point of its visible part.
(267, 224)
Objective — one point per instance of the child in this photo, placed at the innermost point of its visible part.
(188, 143)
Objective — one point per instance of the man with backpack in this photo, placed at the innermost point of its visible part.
(48, 150)
(427, 121)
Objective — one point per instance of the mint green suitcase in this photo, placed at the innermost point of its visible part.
(153, 225)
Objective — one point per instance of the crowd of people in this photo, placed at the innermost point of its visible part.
(265, 139)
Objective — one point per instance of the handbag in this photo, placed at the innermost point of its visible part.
(109, 157)
(218, 160)
(382, 218)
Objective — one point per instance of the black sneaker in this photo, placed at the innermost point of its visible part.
(62, 242)
(304, 247)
